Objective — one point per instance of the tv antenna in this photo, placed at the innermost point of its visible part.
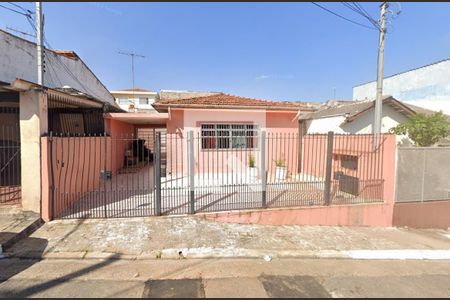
(133, 55)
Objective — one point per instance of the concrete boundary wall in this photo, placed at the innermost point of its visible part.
(377, 215)
(431, 214)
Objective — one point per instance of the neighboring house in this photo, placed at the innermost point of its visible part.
(358, 116)
(135, 100)
(63, 68)
(71, 101)
(427, 86)
(179, 94)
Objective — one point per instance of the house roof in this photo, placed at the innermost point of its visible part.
(64, 67)
(353, 109)
(67, 53)
(180, 94)
(136, 90)
(222, 100)
(66, 96)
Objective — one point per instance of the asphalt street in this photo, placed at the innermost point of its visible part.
(118, 277)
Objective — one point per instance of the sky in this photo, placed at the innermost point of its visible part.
(277, 51)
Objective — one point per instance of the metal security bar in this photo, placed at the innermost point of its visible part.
(98, 176)
(168, 173)
(10, 190)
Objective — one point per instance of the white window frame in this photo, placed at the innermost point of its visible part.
(144, 98)
(225, 136)
(123, 100)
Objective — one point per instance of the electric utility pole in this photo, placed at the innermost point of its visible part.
(39, 38)
(133, 55)
(378, 101)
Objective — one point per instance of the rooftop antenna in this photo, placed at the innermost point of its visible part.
(133, 55)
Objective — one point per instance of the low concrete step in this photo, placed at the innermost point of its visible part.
(15, 225)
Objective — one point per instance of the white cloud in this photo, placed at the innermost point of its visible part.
(264, 77)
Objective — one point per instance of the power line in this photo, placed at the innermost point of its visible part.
(342, 17)
(360, 12)
(365, 14)
(61, 63)
(23, 9)
(31, 21)
(16, 11)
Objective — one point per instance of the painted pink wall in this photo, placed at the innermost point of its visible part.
(281, 121)
(429, 214)
(274, 122)
(122, 135)
(378, 215)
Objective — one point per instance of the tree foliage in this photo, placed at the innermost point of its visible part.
(424, 130)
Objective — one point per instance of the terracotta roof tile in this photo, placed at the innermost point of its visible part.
(225, 100)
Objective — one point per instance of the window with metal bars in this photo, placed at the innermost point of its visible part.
(228, 136)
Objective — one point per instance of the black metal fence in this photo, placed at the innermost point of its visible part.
(126, 176)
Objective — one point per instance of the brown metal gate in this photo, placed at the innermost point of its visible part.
(155, 173)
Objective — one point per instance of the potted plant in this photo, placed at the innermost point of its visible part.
(280, 170)
(252, 170)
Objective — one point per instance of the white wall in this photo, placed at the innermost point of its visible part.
(428, 87)
(325, 124)
(18, 60)
(147, 107)
(362, 125)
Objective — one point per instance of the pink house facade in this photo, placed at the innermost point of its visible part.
(219, 134)
(226, 128)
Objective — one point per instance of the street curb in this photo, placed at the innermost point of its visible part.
(228, 253)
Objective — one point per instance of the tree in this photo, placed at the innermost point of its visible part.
(424, 130)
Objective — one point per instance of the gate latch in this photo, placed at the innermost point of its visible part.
(105, 175)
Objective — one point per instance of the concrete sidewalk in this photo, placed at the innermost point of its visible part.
(16, 224)
(193, 237)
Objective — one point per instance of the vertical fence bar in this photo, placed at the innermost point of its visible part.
(158, 174)
(105, 170)
(191, 171)
(329, 162)
(52, 177)
(263, 169)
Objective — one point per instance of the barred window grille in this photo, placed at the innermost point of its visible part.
(228, 136)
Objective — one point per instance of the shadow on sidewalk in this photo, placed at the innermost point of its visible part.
(42, 287)
(13, 266)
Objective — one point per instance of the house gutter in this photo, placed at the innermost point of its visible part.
(21, 85)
